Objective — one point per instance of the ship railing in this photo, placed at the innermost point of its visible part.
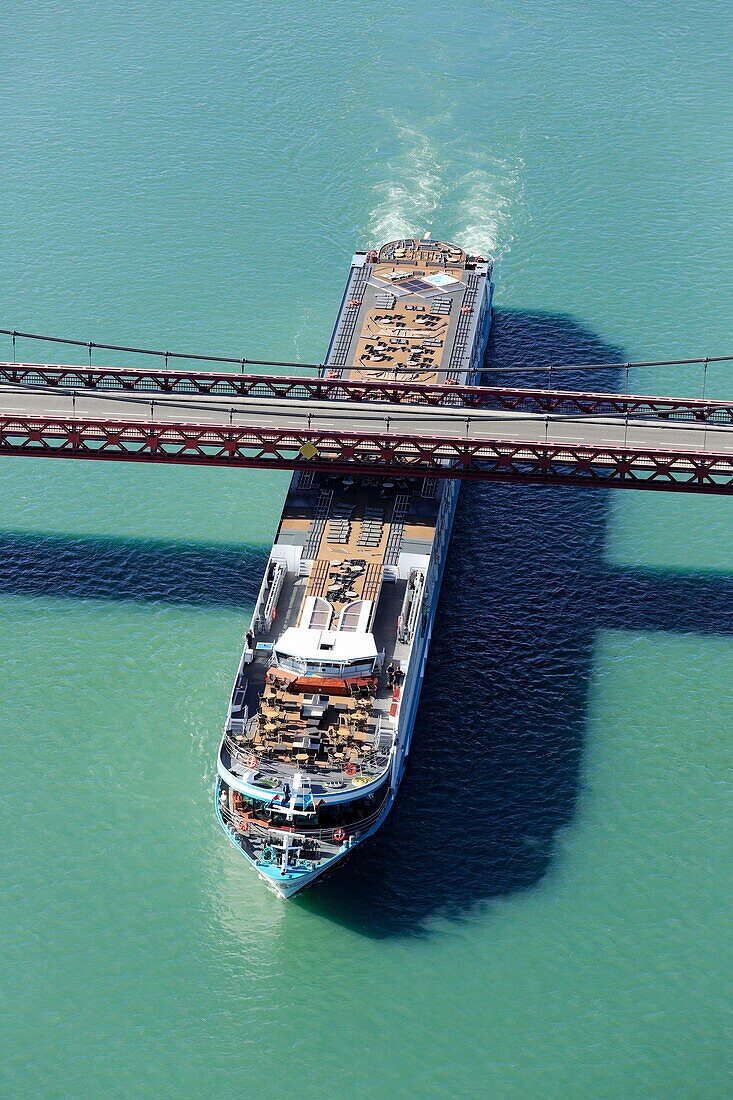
(268, 596)
(237, 750)
(240, 826)
(351, 831)
(237, 708)
(263, 830)
(374, 763)
(407, 622)
(246, 726)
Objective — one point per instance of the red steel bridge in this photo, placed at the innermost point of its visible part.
(329, 421)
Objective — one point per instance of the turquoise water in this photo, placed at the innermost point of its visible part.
(558, 923)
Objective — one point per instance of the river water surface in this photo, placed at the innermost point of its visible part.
(546, 911)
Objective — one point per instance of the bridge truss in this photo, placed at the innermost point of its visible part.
(385, 455)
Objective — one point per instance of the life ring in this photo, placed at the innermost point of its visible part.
(250, 761)
(243, 826)
(267, 855)
(350, 769)
(339, 836)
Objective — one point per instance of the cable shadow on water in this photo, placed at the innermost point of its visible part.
(495, 764)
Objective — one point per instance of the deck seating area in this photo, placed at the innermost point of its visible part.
(343, 577)
(313, 731)
(339, 530)
(372, 527)
(403, 336)
(415, 250)
(339, 524)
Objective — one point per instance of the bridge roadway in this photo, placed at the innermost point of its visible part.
(398, 439)
(324, 416)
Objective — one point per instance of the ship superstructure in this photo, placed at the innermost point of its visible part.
(325, 697)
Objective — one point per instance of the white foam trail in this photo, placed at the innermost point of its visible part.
(407, 201)
(468, 195)
(487, 202)
(302, 331)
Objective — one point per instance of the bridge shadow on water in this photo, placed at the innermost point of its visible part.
(88, 567)
(496, 759)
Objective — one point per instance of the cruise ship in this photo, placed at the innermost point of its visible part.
(324, 700)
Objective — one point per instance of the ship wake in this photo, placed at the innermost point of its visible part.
(470, 197)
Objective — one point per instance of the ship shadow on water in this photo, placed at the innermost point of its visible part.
(495, 764)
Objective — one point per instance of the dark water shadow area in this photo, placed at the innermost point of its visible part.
(68, 566)
(495, 766)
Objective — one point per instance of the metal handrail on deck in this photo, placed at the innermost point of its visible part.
(411, 605)
(263, 829)
(236, 749)
(269, 595)
(238, 752)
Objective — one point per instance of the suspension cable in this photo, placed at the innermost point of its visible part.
(241, 361)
